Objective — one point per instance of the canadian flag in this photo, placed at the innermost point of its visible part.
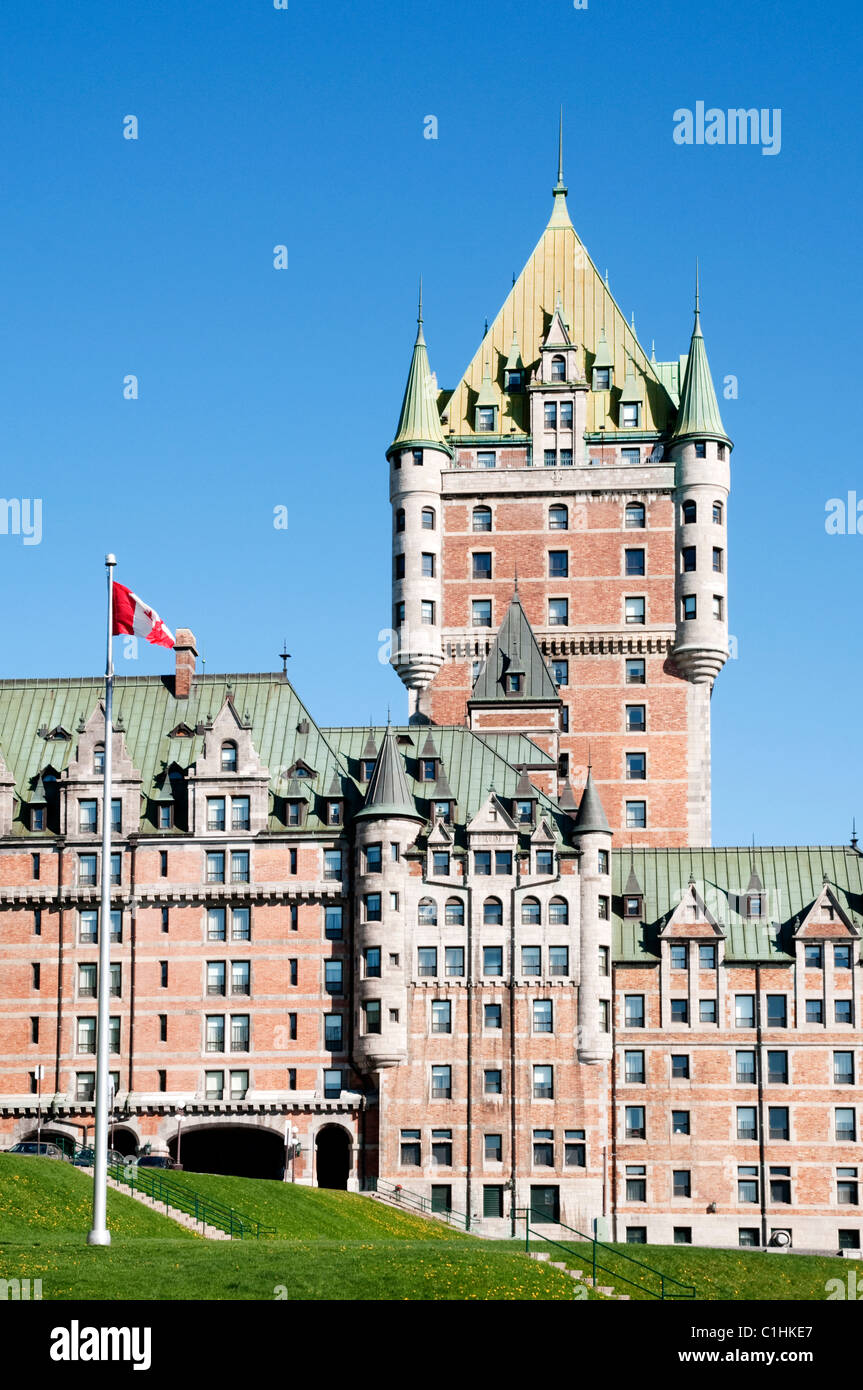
(133, 615)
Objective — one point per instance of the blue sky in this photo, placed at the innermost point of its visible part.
(260, 388)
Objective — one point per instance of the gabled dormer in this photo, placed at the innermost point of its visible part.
(429, 762)
(83, 779)
(691, 920)
(525, 801)
(492, 836)
(443, 800)
(439, 850)
(296, 795)
(558, 353)
(513, 372)
(487, 415)
(163, 801)
(826, 920)
(301, 769)
(368, 758)
(334, 813)
(602, 374)
(631, 411)
(229, 766)
(633, 896)
(542, 847)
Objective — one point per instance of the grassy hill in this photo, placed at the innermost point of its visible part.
(329, 1245)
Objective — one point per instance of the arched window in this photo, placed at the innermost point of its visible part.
(482, 518)
(428, 519)
(427, 913)
(454, 912)
(558, 369)
(558, 518)
(530, 913)
(634, 516)
(558, 912)
(717, 513)
(400, 519)
(690, 513)
(99, 758)
(229, 756)
(492, 912)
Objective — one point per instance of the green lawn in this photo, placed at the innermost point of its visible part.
(716, 1274)
(330, 1245)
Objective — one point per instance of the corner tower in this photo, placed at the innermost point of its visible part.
(416, 457)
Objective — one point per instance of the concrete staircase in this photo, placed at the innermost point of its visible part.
(199, 1227)
(578, 1275)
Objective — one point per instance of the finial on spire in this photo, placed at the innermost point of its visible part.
(560, 189)
(284, 656)
(697, 292)
(485, 330)
(515, 579)
(853, 832)
(420, 306)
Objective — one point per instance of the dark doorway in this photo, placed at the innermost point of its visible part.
(231, 1149)
(53, 1136)
(123, 1140)
(333, 1157)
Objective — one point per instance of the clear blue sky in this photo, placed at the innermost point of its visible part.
(260, 388)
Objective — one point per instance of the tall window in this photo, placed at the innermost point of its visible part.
(558, 518)
(482, 518)
(229, 756)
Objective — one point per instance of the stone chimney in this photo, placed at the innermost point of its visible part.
(185, 652)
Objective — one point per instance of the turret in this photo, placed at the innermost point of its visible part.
(417, 456)
(700, 449)
(389, 817)
(593, 835)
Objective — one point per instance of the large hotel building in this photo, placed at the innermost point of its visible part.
(488, 955)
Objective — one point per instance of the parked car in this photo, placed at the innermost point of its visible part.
(85, 1158)
(157, 1161)
(34, 1150)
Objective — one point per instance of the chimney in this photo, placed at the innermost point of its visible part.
(185, 652)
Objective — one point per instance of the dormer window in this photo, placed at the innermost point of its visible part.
(524, 812)
(602, 378)
(514, 380)
(485, 418)
(630, 415)
(294, 812)
(753, 905)
(632, 906)
(99, 758)
(165, 815)
(558, 368)
(229, 756)
(428, 770)
(334, 813)
(37, 817)
(443, 811)
(514, 684)
(367, 767)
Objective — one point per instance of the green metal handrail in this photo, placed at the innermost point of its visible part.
(527, 1212)
(416, 1201)
(152, 1183)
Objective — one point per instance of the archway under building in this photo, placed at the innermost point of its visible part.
(47, 1135)
(124, 1140)
(333, 1157)
(242, 1151)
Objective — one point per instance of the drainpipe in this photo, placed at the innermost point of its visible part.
(133, 941)
(612, 1127)
(470, 1002)
(512, 1070)
(61, 923)
(759, 1076)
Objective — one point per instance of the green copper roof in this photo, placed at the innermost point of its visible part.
(698, 412)
(792, 878)
(514, 650)
(633, 387)
(591, 815)
(514, 362)
(419, 422)
(389, 793)
(487, 394)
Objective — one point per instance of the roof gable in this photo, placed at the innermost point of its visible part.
(514, 650)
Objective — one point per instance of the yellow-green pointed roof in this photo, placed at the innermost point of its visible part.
(419, 422)
(559, 265)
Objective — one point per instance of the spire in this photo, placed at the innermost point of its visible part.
(604, 356)
(514, 362)
(632, 390)
(487, 393)
(698, 412)
(560, 213)
(419, 421)
(566, 801)
(591, 816)
(388, 791)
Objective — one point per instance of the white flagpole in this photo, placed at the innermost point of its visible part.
(99, 1234)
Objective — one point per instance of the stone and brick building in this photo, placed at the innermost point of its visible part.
(488, 955)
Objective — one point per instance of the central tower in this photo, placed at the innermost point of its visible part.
(573, 468)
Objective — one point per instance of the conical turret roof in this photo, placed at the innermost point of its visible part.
(388, 792)
(419, 422)
(698, 412)
(590, 816)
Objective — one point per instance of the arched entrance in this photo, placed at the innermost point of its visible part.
(333, 1157)
(245, 1151)
(123, 1140)
(47, 1135)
